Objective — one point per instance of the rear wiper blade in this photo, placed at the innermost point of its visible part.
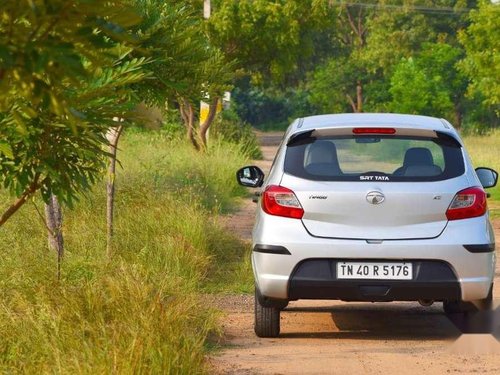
(301, 138)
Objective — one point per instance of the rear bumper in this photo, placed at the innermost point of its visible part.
(473, 271)
(317, 279)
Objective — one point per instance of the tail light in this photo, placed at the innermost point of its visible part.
(280, 201)
(467, 203)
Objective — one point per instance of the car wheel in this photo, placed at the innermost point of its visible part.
(267, 320)
(461, 307)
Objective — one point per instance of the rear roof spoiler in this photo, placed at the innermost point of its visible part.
(309, 136)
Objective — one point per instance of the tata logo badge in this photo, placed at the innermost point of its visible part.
(375, 197)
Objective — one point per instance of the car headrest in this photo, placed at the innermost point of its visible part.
(418, 156)
(322, 152)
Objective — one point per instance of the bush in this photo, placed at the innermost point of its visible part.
(230, 128)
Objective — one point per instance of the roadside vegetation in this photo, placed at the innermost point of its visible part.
(138, 310)
(484, 151)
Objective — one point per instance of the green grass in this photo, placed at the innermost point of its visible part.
(485, 152)
(138, 311)
(232, 271)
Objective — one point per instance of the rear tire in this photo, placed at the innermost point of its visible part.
(462, 307)
(267, 320)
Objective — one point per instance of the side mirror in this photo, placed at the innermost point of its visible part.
(250, 176)
(487, 176)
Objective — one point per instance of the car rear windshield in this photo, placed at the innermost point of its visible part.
(374, 158)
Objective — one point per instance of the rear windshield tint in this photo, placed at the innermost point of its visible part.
(375, 158)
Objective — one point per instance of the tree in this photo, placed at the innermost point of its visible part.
(184, 63)
(377, 39)
(113, 137)
(482, 60)
(398, 29)
(336, 86)
(275, 44)
(430, 83)
(64, 78)
(341, 83)
(411, 90)
(272, 40)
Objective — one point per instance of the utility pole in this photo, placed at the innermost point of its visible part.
(206, 9)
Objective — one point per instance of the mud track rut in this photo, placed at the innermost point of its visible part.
(333, 337)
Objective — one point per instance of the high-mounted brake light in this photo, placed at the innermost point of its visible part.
(280, 201)
(374, 130)
(468, 203)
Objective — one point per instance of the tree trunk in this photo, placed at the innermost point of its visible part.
(212, 111)
(187, 114)
(191, 134)
(183, 111)
(113, 138)
(53, 218)
(359, 97)
(207, 9)
(458, 115)
(351, 102)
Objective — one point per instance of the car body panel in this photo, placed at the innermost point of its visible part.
(341, 209)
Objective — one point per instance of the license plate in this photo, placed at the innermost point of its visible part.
(376, 271)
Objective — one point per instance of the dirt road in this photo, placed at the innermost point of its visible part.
(333, 337)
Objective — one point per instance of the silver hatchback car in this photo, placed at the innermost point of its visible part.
(371, 207)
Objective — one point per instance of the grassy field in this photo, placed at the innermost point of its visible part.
(138, 311)
(485, 152)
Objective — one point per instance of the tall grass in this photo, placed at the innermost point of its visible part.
(139, 310)
(484, 151)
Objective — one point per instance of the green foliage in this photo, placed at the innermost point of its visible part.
(65, 158)
(186, 66)
(269, 109)
(401, 30)
(411, 91)
(230, 128)
(377, 57)
(271, 39)
(482, 63)
(184, 61)
(44, 47)
(140, 311)
(172, 37)
(65, 73)
(394, 35)
(429, 84)
(334, 83)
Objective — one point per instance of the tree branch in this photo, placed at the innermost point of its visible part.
(351, 21)
(351, 102)
(19, 202)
